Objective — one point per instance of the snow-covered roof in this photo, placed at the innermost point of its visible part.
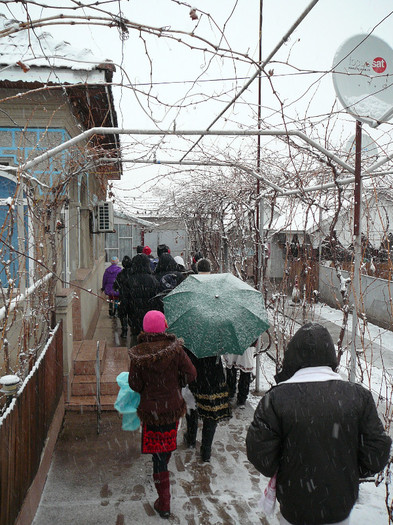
(121, 214)
(294, 216)
(27, 55)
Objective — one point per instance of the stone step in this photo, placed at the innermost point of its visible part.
(116, 361)
(84, 385)
(88, 403)
(84, 356)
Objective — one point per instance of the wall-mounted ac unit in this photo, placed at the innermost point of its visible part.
(103, 217)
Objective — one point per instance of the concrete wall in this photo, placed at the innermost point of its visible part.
(86, 303)
(276, 261)
(170, 232)
(376, 295)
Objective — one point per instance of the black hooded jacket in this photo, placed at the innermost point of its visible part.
(121, 284)
(312, 345)
(167, 264)
(319, 435)
(141, 289)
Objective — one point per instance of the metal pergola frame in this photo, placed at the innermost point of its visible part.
(355, 172)
(86, 135)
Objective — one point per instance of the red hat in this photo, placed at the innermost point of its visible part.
(154, 322)
(146, 250)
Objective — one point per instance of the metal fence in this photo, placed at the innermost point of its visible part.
(25, 424)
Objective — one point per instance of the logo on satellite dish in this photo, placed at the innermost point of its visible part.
(379, 65)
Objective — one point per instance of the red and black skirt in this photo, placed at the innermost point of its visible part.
(159, 438)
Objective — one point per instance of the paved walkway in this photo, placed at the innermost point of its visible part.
(103, 479)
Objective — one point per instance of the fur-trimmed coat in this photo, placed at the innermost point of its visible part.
(159, 369)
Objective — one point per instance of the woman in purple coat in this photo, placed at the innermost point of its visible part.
(108, 279)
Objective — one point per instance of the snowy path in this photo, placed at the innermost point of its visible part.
(103, 479)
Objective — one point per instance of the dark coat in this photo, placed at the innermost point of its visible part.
(167, 264)
(210, 388)
(319, 436)
(159, 368)
(142, 288)
(121, 285)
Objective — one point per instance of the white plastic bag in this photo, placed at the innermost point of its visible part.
(188, 398)
(268, 500)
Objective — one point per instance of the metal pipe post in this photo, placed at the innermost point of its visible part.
(356, 283)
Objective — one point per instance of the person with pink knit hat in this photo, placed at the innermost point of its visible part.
(159, 369)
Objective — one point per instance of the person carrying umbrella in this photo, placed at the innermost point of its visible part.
(212, 401)
(215, 314)
(159, 368)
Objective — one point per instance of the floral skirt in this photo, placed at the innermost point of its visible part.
(159, 438)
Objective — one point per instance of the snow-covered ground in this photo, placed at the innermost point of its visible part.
(104, 479)
(370, 507)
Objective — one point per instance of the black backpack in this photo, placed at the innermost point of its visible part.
(167, 283)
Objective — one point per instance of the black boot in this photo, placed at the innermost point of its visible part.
(243, 388)
(192, 429)
(124, 327)
(231, 381)
(208, 431)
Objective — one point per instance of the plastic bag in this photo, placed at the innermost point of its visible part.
(268, 500)
(127, 403)
(189, 399)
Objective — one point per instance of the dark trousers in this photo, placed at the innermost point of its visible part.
(113, 305)
(192, 428)
(160, 462)
(208, 430)
(243, 386)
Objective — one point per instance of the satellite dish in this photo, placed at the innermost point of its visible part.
(363, 78)
(369, 147)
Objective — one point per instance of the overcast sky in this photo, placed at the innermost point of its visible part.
(173, 68)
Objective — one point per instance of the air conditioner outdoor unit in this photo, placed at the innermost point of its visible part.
(103, 217)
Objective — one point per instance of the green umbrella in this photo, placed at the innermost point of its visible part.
(215, 314)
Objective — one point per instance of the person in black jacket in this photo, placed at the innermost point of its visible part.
(121, 285)
(195, 259)
(168, 277)
(142, 289)
(317, 432)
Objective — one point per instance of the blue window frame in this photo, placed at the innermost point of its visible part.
(9, 249)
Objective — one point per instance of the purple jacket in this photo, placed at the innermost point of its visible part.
(109, 278)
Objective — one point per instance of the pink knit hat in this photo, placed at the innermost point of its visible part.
(154, 322)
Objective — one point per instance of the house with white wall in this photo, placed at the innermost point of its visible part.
(49, 214)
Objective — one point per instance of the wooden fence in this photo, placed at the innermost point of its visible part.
(24, 427)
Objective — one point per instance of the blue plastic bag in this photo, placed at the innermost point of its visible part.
(127, 403)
